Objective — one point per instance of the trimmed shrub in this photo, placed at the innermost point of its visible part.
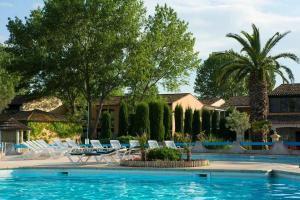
(123, 119)
(188, 120)
(131, 125)
(141, 119)
(164, 153)
(105, 125)
(196, 122)
(178, 119)
(215, 122)
(206, 121)
(156, 115)
(125, 139)
(167, 121)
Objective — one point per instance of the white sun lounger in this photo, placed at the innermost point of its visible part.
(171, 144)
(153, 144)
(121, 151)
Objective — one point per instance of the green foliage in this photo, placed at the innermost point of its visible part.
(123, 119)
(188, 121)
(165, 54)
(213, 138)
(61, 129)
(196, 122)
(239, 123)
(131, 125)
(255, 65)
(178, 119)
(215, 122)
(206, 121)
(164, 153)
(125, 139)
(206, 85)
(106, 125)
(167, 121)
(261, 130)
(156, 115)
(142, 123)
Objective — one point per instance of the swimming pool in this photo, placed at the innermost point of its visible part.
(250, 158)
(141, 184)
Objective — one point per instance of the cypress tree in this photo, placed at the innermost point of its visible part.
(215, 122)
(206, 121)
(188, 121)
(123, 119)
(156, 115)
(167, 121)
(105, 126)
(178, 119)
(141, 122)
(196, 122)
(131, 125)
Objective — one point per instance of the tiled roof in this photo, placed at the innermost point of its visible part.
(20, 99)
(13, 124)
(285, 119)
(238, 101)
(209, 101)
(35, 116)
(286, 90)
(170, 98)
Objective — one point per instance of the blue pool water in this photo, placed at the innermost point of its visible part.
(113, 184)
(250, 158)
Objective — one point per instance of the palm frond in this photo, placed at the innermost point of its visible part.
(272, 42)
(286, 55)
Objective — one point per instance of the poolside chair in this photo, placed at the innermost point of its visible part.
(83, 157)
(134, 148)
(121, 151)
(171, 144)
(42, 147)
(59, 144)
(96, 145)
(55, 149)
(34, 152)
(153, 144)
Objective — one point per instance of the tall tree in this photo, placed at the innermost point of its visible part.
(141, 122)
(178, 119)
(206, 121)
(79, 47)
(188, 121)
(156, 115)
(196, 122)
(123, 119)
(257, 66)
(167, 121)
(164, 56)
(106, 126)
(206, 85)
(8, 81)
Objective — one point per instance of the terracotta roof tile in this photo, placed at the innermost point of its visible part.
(286, 90)
(237, 101)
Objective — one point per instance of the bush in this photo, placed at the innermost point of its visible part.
(178, 119)
(215, 122)
(141, 119)
(167, 121)
(164, 153)
(125, 139)
(123, 119)
(206, 121)
(196, 123)
(156, 114)
(188, 120)
(106, 125)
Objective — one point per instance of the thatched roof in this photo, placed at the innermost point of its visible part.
(12, 124)
(34, 116)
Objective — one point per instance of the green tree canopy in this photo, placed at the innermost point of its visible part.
(239, 123)
(255, 64)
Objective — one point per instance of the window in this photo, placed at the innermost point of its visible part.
(284, 104)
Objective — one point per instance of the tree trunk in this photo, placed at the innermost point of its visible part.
(96, 122)
(258, 96)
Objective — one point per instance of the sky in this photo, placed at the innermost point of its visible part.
(209, 21)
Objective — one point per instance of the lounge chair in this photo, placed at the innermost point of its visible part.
(34, 152)
(171, 144)
(121, 151)
(84, 156)
(96, 145)
(59, 144)
(153, 144)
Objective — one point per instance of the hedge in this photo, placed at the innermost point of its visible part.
(156, 115)
(105, 125)
(188, 120)
(178, 119)
(123, 119)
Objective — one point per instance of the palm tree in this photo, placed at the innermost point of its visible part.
(257, 67)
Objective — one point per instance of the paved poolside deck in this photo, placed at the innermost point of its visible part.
(11, 162)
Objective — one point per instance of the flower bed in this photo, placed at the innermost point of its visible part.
(164, 163)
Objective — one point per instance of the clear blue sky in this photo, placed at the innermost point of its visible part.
(210, 21)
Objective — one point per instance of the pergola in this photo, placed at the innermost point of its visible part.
(12, 131)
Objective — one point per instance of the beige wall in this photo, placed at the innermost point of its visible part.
(218, 103)
(186, 102)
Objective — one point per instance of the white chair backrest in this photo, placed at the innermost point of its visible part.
(170, 144)
(96, 144)
(30, 146)
(153, 144)
(43, 143)
(72, 143)
(34, 145)
(115, 144)
(134, 143)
